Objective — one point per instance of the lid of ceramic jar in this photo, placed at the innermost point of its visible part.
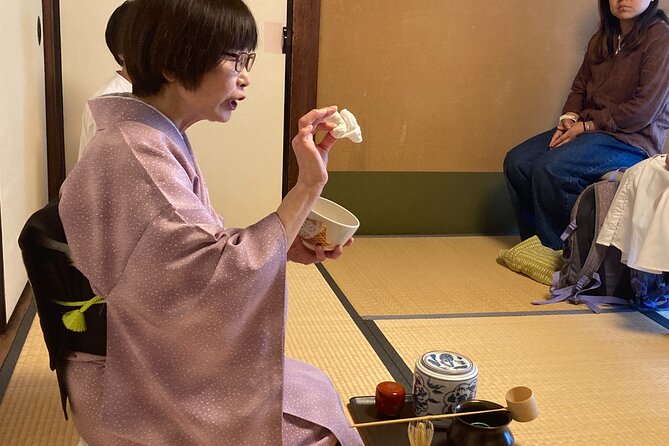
(446, 363)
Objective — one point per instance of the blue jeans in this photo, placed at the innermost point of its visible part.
(544, 184)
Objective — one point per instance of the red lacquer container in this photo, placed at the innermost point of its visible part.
(389, 399)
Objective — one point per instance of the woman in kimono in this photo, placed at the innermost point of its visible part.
(195, 311)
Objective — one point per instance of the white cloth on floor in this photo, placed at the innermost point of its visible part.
(638, 219)
(347, 126)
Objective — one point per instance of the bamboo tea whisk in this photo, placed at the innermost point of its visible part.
(420, 433)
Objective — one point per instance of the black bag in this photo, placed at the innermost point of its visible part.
(593, 274)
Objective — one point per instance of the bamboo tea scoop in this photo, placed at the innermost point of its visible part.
(520, 402)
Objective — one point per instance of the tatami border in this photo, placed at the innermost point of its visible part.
(386, 317)
(8, 366)
(377, 340)
(654, 315)
(391, 358)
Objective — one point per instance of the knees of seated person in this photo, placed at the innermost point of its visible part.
(514, 164)
(548, 176)
(519, 161)
(555, 170)
(518, 177)
(554, 195)
(511, 174)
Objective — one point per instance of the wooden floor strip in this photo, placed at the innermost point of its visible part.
(12, 351)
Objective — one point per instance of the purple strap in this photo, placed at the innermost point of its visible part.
(569, 230)
(574, 294)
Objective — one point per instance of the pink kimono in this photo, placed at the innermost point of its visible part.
(195, 312)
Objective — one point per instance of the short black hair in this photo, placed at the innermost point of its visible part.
(183, 38)
(114, 32)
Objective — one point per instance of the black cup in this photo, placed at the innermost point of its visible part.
(486, 429)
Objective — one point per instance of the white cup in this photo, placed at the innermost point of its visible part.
(443, 379)
(328, 224)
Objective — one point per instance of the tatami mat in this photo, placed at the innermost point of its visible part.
(600, 379)
(384, 276)
(321, 333)
(30, 413)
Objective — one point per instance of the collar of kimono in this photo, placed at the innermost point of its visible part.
(109, 110)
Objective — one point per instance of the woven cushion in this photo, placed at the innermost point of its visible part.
(533, 259)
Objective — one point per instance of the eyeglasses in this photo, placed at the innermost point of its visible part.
(243, 60)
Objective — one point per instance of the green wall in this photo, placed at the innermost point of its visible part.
(424, 202)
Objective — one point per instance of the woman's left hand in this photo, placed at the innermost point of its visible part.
(299, 253)
(572, 133)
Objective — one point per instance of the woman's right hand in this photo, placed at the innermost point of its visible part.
(311, 157)
(575, 130)
(312, 162)
(564, 126)
(558, 133)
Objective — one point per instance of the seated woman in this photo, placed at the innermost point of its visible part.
(195, 310)
(616, 115)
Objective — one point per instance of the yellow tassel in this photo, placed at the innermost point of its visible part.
(75, 321)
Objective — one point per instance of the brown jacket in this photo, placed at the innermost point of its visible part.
(627, 95)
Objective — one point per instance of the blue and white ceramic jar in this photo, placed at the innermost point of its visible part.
(442, 380)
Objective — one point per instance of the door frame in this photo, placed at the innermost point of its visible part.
(53, 80)
(3, 305)
(301, 48)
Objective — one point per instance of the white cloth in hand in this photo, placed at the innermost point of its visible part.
(347, 126)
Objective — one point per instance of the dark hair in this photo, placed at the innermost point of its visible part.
(183, 38)
(114, 33)
(605, 41)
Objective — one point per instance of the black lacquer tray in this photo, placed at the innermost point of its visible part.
(362, 410)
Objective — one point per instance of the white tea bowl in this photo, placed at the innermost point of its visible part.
(328, 224)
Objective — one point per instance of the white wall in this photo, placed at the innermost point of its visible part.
(23, 186)
(241, 160)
